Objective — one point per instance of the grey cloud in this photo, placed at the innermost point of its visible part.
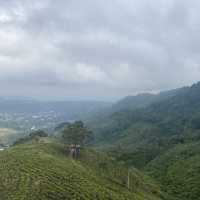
(98, 49)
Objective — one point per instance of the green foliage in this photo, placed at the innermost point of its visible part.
(195, 121)
(76, 133)
(41, 171)
(178, 171)
(38, 133)
(61, 126)
(154, 128)
(21, 140)
(162, 138)
(173, 114)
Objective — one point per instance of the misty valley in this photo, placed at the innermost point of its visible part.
(100, 100)
(141, 147)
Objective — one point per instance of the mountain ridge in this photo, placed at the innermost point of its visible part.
(165, 133)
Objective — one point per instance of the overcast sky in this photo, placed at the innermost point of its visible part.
(97, 49)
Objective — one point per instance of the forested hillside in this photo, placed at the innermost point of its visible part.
(161, 137)
(174, 116)
(178, 171)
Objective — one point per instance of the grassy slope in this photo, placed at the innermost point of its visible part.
(42, 171)
(178, 171)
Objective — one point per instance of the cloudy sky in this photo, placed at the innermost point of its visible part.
(97, 49)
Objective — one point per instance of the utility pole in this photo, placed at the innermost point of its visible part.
(128, 180)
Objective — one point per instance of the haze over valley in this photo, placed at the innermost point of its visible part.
(100, 100)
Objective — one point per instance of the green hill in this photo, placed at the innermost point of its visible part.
(170, 110)
(42, 170)
(162, 138)
(178, 171)
(147, 132)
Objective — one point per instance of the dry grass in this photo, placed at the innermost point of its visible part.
(7, 135)
(7, 131)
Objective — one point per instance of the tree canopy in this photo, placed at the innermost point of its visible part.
(76, 133)
(38, 133)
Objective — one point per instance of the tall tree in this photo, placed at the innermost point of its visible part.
(75, 135)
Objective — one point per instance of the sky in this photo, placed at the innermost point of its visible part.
(101, 50)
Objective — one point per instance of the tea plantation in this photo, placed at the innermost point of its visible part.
(43, 171)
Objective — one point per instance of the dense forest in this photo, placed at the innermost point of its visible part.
(158, 134)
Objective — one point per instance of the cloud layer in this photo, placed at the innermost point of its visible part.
(97, 49)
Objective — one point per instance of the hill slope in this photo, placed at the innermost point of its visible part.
(119, 116)
(143, 100)
(162, 138)
(178, 171)
(43, 171)
(165, 122)
(129, 103)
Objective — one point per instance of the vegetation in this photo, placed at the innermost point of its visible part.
(160, 138)
(35, 135)
(159, 135)
(43, 171)
(38, 133)
(76, 133)
(177, 170)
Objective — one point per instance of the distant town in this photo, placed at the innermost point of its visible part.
(26, 122)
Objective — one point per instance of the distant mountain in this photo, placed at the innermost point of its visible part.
(142, 100)
(109, 120)
(171, 113)
(69, 109)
